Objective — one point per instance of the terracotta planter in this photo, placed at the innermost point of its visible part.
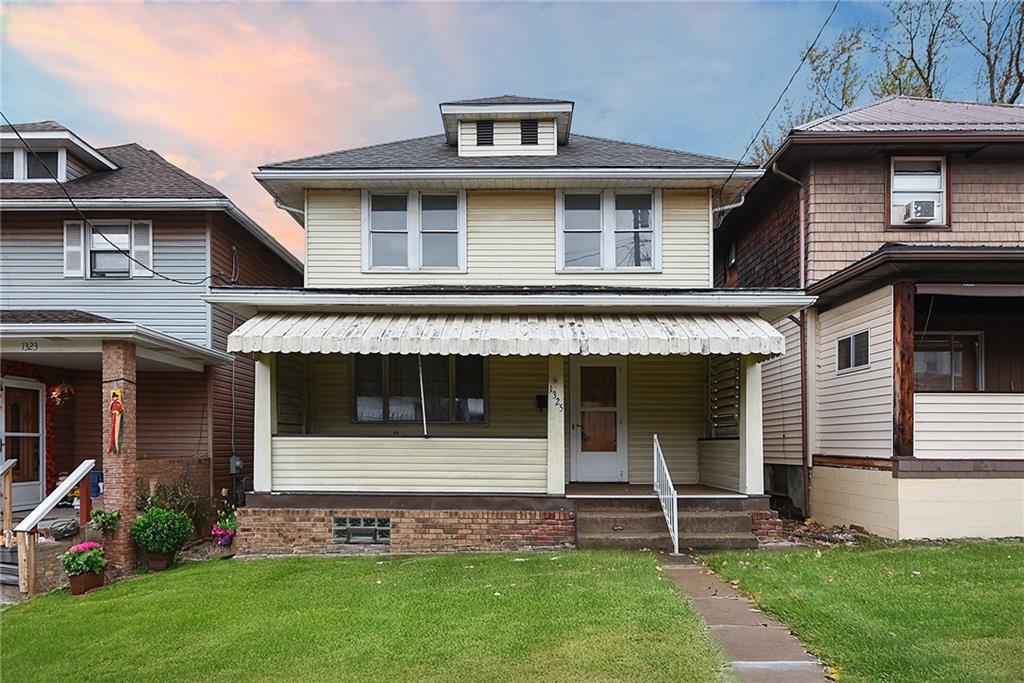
(157, 563)
(83, 583)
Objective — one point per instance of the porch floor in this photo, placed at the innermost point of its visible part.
(581, 490)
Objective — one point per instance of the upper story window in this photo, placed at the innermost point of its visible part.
(918, 191)
(485, 133)
(852, 352)
(414, 231)
(528, 132)
(108, 249)
(609, 230)
(20, 165)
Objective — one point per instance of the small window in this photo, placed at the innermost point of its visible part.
(387, 389)
(485, 133)
(42, 165)
(583, 231)
(528, 132)
(389, 231)
(948, 362)
(852, 352)
(109, 247)
(918, 188)
(634, 231)
(439, 230)
(6, 165)
(362, 530)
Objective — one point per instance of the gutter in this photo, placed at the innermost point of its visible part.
(502, 173)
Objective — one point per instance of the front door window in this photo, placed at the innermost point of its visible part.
(598, 428)
(22, 439)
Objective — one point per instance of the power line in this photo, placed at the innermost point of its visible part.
(92, 228)
(764, 123)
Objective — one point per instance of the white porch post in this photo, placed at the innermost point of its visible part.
(751, 435)
(262, 423)
(556, 425)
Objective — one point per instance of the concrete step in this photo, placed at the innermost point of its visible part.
(718, 541)
(714, 522)
(612, 505)
(620, 521)
(624, 541)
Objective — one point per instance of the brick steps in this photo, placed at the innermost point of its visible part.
(632, 524)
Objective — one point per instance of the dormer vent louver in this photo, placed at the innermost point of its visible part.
(485, 133)
(528, 132)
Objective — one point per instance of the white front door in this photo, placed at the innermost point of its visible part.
(598, 408)
(23, 438)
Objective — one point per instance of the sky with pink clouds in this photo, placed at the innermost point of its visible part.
(220, 89)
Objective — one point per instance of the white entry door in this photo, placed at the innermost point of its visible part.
(597, 394)
(23, 436)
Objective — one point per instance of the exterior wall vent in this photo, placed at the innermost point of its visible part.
(485, 133)
(528, 132)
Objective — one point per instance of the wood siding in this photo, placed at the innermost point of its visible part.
(966, 425)
(720, 463)
(781, 401)
(507, 140)
(32, 274)
(510, 239)
(414, 465)
(854, 408)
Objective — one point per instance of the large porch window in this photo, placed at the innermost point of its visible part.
(948, 361)
(387, 389)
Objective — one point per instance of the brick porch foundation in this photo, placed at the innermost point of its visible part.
(308, 530)
(766, 525)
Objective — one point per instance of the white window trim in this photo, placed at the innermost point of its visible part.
(941, 213)
(87, 247)
(853, 368)
(608, 232)
(21, 167)
(414, 246)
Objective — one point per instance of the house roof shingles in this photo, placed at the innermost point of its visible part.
(920, 115)
(433, 151)
(50, 317)
(34, 127)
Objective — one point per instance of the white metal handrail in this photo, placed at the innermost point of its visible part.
(666, 492)
(58, 494)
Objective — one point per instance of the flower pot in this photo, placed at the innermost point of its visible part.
(83, 583)
(156, 562)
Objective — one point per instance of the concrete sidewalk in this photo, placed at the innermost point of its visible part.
(759, 649)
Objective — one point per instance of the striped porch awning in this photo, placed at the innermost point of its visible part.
(511, 334)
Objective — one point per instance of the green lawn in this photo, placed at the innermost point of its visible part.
(533, 616)
(950, 612)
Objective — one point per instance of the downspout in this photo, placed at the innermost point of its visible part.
(729, 207)
(805, 446)
(279, 204)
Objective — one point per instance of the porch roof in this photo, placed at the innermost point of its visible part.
(511, 334)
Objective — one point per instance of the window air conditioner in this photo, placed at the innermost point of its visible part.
(919, 211)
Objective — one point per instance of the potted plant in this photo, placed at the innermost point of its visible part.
(224, 530)
(84, 564)
(160, 533)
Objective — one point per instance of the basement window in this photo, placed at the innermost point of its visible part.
(852, 352)
(362, 530)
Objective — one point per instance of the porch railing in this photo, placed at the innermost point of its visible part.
(666, 492)
(7, 481)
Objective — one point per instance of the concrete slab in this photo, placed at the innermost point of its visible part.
(731, 612)
(777, 672)
(761, 643)
(697, 584)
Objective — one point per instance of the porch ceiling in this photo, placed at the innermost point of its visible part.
(509, 334)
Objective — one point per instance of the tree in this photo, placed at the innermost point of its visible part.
(995, 30)
(912, 48)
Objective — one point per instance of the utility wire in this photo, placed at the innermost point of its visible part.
(775, 106)
(94, 230)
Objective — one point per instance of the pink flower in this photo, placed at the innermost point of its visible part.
(86, 547)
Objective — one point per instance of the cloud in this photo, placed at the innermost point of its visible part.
(215, 93)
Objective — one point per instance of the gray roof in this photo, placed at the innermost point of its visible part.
(35, 127)
(142, 174)
(507, 99)
(582, 151)
(49, 317)
(918, 114)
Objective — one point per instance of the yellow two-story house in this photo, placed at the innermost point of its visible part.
(506, 329)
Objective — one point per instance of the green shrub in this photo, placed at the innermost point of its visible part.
(161, 531)
(106, 522)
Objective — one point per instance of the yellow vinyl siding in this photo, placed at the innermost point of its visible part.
(412, 465)
(510, 241)
(964, 425)
(780, 380)
(854, 408)
(720, 463)
(507, 140)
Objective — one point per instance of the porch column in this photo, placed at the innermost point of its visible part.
(263, 422)
(751, 436)
(903, 295)
(556, 425)
(120, 468)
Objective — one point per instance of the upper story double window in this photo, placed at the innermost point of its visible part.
(609, 230)
(106, 249)
(414, 231)
(19, 165)
(918, 189)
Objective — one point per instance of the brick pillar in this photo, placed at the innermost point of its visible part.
(119, 469)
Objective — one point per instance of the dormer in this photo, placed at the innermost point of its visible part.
(509, 125)
(55, 151)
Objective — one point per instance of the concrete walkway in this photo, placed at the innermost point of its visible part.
(759, 649)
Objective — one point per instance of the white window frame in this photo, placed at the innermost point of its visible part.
(853, 355)
(608, 232)
(941, 212)
(414, 247)
(21, 166)
(85, 237)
